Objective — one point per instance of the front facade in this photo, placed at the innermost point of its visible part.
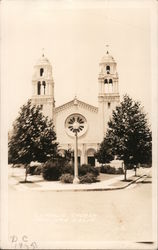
(92, 120)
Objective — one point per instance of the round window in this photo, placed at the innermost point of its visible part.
(76, 123)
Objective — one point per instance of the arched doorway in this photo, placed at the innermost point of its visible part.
(90, 156)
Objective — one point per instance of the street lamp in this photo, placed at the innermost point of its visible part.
(76, 124)
(76, 179)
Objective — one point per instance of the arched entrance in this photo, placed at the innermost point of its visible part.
(90, 156)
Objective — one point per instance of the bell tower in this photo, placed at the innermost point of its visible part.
(43, 87)
(108, 97)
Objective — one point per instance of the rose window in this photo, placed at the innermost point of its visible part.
(76, 123)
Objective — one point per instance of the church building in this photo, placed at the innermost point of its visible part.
(91, 121)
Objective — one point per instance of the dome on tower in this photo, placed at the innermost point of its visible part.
(43, 61)
(107, 58)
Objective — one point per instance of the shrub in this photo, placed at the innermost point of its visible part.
(145, 165)
(111, 170)
(34, 170)
(68, 169)
(66, 178)
(107, 169)
(31, 169)
(84, 169)
(119, 171)
(103, 169)
(38, 170)
(88, 178)
(52, 170)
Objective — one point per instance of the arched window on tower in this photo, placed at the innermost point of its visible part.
(44, 87)
(110, 81)
(41, 71)
(110, 86)
(38, 88)
(106, 85)
(108, 69)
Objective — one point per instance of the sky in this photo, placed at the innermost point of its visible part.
(74, 35)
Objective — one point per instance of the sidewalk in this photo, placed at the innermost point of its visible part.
(37, 182)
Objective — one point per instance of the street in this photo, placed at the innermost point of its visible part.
(119, 215)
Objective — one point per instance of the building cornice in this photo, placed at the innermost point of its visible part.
(78, 103)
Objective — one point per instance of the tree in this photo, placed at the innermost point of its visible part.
(129, 136)
(105, 153)
(33, 137)
(67, 156)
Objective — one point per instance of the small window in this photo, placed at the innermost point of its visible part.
(108, 67)
(109, 104)
(38, 88)
(106, 81)
(44, 87)
(41, 71)
(110, 81)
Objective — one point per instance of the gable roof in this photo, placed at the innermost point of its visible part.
(76, 102)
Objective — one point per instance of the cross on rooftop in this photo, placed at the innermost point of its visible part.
(107, 45)
(43, 52)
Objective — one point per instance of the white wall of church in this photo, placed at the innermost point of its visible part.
(90, 136)
(88, 142)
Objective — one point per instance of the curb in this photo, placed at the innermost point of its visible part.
(81, 189)
(96, 189)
